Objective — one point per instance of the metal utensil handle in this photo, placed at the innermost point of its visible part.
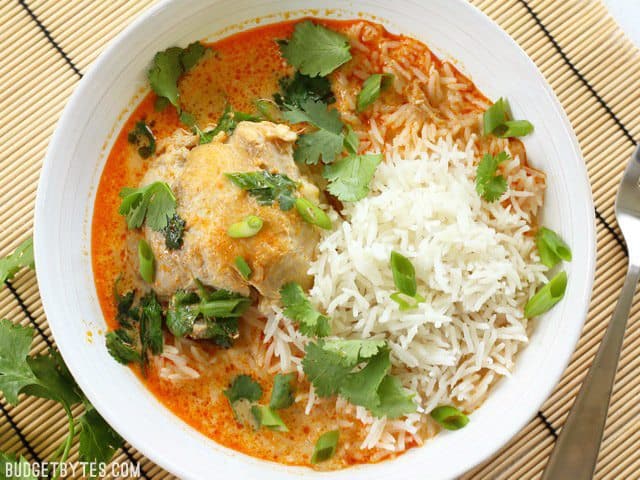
(576, 452)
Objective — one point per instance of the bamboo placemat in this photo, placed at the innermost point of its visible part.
(46, 46)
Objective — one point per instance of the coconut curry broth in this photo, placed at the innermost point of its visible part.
(241, 68)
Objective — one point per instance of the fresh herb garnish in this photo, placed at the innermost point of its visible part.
(404, 278)
(146, 261)
(154, 203)
(206, 315)
(151, 338)
(315, 50)
(282, 394)
(243, 267)
(325, 446)
(298, 308)
(359, 371)
(497, 121)
(167, 68)
(122, 346)
(46, 376)
(243, 387)
(143, 134)
(227, 123)
(449, 417)
(296, 90)
(22, 257)
(546, 298)
(174, 232)
(267, 417)
(245, 228)
(551, 247)
(371, 89)
(489, 185)
(351, 141)
(349, 177)
(267, 187)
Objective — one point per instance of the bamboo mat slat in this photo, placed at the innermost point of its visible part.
(594, 70)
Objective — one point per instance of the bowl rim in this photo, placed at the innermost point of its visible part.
(40, 247)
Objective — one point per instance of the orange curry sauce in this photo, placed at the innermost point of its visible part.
(246, 66)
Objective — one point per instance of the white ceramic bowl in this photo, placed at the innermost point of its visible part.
(86, 131)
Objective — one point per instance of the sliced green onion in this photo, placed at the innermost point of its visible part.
(147, 262)
(269, 418)
(243, 267)
(325, 446)
(248, 227)
(313, 214)
(495, 115)
(406, 302)
(404, 275)
(497, 121)
(547, 296)
(231, 308)
(282, 395)
(269, 110)
(449, 417)
(551, 247)
(514, 128)
(371, 89)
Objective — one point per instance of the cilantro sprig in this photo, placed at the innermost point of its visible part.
(489, 185)
(349, 177)
(143, 137)
(154, 204)
(298, 308)
(315, 50)
(227, 123)
(267, 187)
(358, 370)
(21, 257)
(46, 376)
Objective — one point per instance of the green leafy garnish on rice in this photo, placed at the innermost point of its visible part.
(298, 308)
(358, 370)
(315, 50)
(371, 89)
(489, 185)
(349, 177)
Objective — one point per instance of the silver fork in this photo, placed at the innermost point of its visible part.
(576, 452)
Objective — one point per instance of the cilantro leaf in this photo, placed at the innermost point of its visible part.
(169, 65)
(298, 307)
(351, 141)
(153, 203)
(325, 370)
(151, 336)
(349, 177)
(243, 387)
(319, 145)
(361, 388)
(489, 185)
(122, 346)
(15, 373)
(282, 394)
(317, 114)
(54, 380)
(267, 187)
(371, 89)
(174, 232)
(315, 50)
(21, 257)
(333, 367)
(98, 441)
(298, 89)
(395, 400)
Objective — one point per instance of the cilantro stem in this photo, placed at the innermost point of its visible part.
(68, 441)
